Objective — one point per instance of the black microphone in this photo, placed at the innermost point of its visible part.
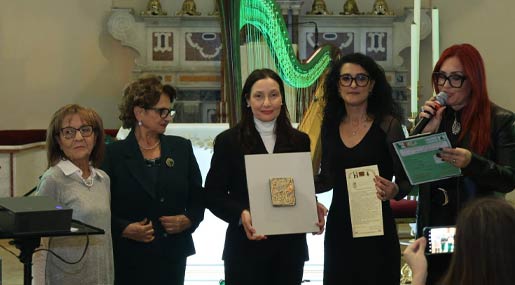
(440, 101)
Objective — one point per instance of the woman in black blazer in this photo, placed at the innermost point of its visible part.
(265, 127)
(156, 197)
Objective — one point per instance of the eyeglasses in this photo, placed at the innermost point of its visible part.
(360, 79)
(70, 132)
(164, 112)
(455, 80)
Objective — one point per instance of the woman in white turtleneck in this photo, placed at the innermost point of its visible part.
(265, 127)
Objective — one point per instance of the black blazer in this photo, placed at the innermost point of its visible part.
(227, 193)
(178, 190)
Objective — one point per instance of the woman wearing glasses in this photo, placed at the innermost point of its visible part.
(360, 123)
(75, 148)
(482, 135)
(155, 188)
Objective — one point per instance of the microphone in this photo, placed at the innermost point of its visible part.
(440, 101)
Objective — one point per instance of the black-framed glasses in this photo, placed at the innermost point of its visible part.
(455, 80)
(163, 112)
(361, 80)
(70, 132)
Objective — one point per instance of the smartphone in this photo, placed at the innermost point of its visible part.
(440, 240)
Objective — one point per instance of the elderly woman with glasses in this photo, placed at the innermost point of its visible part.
(156, 190)
(360, 123)
(75, 148)
(482, 136)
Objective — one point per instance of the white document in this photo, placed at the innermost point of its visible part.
(272, 220)
(365, 209)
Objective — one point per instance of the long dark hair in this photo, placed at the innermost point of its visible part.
(485, 244)
(247, 129)
(380, 101)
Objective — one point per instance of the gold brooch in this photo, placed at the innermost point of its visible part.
(169, 162)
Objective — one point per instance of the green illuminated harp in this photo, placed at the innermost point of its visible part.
(255, 36)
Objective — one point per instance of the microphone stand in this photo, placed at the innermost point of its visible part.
(316, 31)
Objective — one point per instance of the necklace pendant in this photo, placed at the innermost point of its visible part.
(456, 127)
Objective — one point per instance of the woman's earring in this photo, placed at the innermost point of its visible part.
(140, 123)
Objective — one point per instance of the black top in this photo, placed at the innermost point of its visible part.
(345, 256)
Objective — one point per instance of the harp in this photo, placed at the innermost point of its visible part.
(259, 26)
(255, 36)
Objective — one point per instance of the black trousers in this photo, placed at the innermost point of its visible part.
(150, 272)
(274, 270)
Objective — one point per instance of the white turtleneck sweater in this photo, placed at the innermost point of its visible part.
(266, 131)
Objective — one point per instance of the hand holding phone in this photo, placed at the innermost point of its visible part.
(440, 240)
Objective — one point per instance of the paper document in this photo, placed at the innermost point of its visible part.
(366, 211)
(418, 157)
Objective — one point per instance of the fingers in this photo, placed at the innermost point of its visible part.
(385, 189)
(422, 242)
(428, 110)
(321, 212)
(322, 209)
(250, 231)
(142, 231)
(459, 157)
(175, 224)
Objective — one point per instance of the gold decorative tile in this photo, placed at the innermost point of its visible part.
(282, 190)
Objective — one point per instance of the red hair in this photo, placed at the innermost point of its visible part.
(475, 118)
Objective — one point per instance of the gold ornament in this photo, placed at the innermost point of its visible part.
(154, 9)
(188, 8)
(381, 8)
(319, 8)
(350, 8)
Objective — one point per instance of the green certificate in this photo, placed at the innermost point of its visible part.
(418, 157)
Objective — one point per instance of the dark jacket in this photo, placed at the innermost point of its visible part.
(486, 174)
(227, 193)
(178, 190)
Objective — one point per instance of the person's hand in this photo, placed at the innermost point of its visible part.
(385, 189)
(321, 212)
(246, 221)
(140, 231)
(414, 256)
(458, 157)
(429, 110)
(175, 224)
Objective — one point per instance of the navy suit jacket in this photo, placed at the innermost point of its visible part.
(178, 190)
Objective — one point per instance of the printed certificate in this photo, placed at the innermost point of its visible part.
(418, 157)
(366, 211)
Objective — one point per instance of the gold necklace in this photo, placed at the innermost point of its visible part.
(357, 126)
(150, 148)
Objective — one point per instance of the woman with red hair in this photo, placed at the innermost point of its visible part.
(482, 135)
